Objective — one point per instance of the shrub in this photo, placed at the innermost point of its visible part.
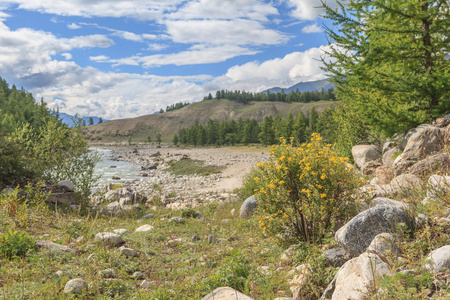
(304, 191)
(16, 244)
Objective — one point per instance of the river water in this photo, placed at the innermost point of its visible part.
(109, 168)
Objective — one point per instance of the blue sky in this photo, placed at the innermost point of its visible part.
(121, 59)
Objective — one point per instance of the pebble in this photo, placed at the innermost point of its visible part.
(138, 275)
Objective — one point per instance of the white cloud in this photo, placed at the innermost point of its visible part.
(313, 28)
(67, 56)
(308, 9)
(89, 41)
(99, 58)
(73, 26)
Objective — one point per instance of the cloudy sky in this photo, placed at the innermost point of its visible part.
(119, 59)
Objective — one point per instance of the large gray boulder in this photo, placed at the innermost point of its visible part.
(359, 273)
(406, 183)
(430, 164)
(390, 155)
(67, 184)
(109, 238)
(439, 260)
(365, 153)
(336, 257)
(385, 244)
(75, 286)
(358, 233)
(438, 186)
(420, 143)
(248, 207)
(226, 293)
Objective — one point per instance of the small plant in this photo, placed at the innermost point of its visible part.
(16, 244)
(190, 166)
(304, 191)
(171, 194)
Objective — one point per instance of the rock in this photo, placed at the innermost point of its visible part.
(138, 275)
(75, 286)
(406, 182)
(125, 201)
(128, 252)
(7, 191)
(149, 167)
(439, 260)
(144, 228)
(358, 233)
(438, 186)
(108, 273)
(384, 174)
(226, 293)
(369, 167)
(212, 239)
(233, 212)
(114, 206)
(354, 278)
(109, 238)
(68, 184)
(430, 164)
(149, 216)
(116, 178)
(421, 142)
(145, 284)
(442, 122)
(390, 156)
(384, 244)
(177, 220)
(336, 257)
(388, 202)
(50, 245)
(365, 153)
(296, 284)
(59, 273)
(195, 238)
(120, 231)
(248, 207)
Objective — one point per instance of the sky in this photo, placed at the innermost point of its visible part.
(122, 59)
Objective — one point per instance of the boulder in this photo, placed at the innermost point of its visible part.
(406, 182)
(439, 260)
(128, 252)
(248, 207)
(75, 286)
(357, 275)
(358, 233)
(8, 191)
(390, 155)
(108, 273)
(388, 202)
(438, 186)
(430, 164)
(149, 167)
(67, 184)
(50, 245)
(144, 228)
(442, 122)
(336, 257)
(384, 244)
(369, 167)
(365, 153)
(422, 142)
(226, 293)
(296, 284)
(109, 238)
(384, 174)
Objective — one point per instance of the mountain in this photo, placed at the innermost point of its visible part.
(304, 87)
(68, 119)
(169, 123)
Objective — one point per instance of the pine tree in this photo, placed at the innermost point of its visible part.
(390, 60)
(300, 128)
(313, 119)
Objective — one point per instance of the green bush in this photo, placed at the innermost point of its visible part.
(16, 244)
(304, 191)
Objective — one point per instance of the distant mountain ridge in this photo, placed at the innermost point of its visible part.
(68, 119)
(302, 87)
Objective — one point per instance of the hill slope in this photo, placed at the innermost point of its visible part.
(169, 123)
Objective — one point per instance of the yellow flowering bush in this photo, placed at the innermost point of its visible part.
(304, 190)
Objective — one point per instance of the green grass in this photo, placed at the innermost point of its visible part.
(191, 166)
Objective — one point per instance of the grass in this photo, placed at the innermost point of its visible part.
(191, 166)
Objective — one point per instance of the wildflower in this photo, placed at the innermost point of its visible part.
(323, 195)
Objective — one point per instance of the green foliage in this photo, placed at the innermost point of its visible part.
(190, 166)
(16, 244)
(390, 61)
(249, 184)
(405, 286)
(304, 191)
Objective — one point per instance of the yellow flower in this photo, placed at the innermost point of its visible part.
(362, 180)
(323, 176)
(323, 195)
(279, 167)
(281, 181)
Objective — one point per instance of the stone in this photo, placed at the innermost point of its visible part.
(50, 245)
(358, 233)
(438, 186)
(195, 238)
(226, 293)
(442, 122)
(148, 216)
(116, 178)
(174, 242)
(384, 244)
(109, 238)
(125, 201)
(439, 260)
(113, 206)
(150, 166)
(108, 273)
(128, 252)
(369, 167)
(440, 161)
(384, 174)
(8, 191)
(406, 182)
(212, 239)
(422, 141)
(390, 156)
(67, 184)
(233, 212)
(59, 273)
(120, 231)
(75, 286)
(359, 273)
(177, 220)
(336, 257)
(144, 228)
(365, 153)
(389, 202)
(145, 284)
(138, 275)
(248, 207)
(296, 284)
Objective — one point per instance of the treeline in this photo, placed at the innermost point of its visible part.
(294, 96)
(246, 131)
(174, 107)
